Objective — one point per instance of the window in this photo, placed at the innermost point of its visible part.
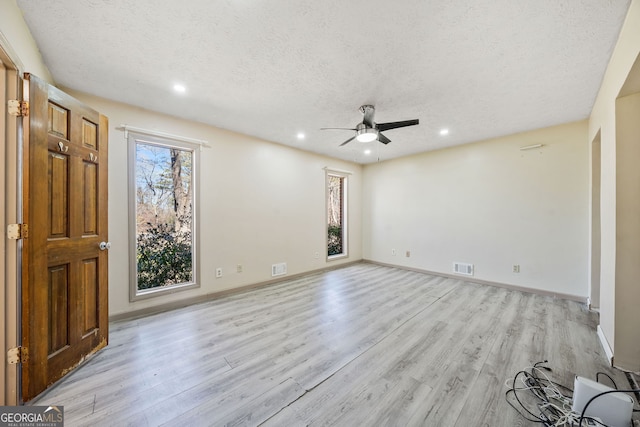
(336, 215)
(163, 196)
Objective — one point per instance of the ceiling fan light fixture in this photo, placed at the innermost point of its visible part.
(369, 130)
(366, 135)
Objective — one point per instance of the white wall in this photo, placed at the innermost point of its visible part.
(489, 204)
(627, 316)
(260, 203)
(17, 41)
(603, 120)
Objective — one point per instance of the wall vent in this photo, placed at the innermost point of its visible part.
(463, 268)
(279, 269)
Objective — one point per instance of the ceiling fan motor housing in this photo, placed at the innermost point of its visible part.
(364, 109)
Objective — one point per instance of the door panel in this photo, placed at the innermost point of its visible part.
(58, 308)
(89, 286)
(90, 201)
(65, 285)
(58, 196)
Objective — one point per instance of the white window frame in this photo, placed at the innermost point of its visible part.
(344, 175)
(160, 140)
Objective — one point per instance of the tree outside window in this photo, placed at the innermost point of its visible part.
(336, 217)
(164, 216)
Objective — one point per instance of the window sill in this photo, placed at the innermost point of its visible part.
(156, 292)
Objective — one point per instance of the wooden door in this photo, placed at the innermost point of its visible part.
(64, 288)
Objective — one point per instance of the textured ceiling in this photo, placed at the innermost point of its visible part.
(275, 68)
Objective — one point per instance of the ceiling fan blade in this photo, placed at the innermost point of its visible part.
(337, 129)
(383, 138)
(348, 141)
(395, 125)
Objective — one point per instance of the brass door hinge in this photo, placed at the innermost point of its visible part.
(17, 231)
(17, 355)
(18, 108)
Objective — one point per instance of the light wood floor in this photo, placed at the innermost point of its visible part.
(365, 345)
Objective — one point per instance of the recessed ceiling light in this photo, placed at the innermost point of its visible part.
(367, 152)
(444, 132)
(179, 88)
(300, 135)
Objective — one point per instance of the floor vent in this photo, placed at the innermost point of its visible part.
(463, 268)
(279, 269)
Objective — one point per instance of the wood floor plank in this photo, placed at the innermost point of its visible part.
(252, 412)
(364, 345)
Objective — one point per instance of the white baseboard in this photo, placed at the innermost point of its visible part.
(569, 297)
(605, 345)
(136, 313)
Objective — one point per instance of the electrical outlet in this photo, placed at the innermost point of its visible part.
(408, 254)
(516, 268)
(239, 268)
(393, 252)
(317, 255)
(219, 272)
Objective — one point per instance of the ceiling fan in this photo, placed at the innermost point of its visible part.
(368, 130)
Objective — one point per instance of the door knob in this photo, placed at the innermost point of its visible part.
(105, 245)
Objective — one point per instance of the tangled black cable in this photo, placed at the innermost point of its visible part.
(553, 406)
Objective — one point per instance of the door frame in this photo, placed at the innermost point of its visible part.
(596, 240)
(10, 212)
